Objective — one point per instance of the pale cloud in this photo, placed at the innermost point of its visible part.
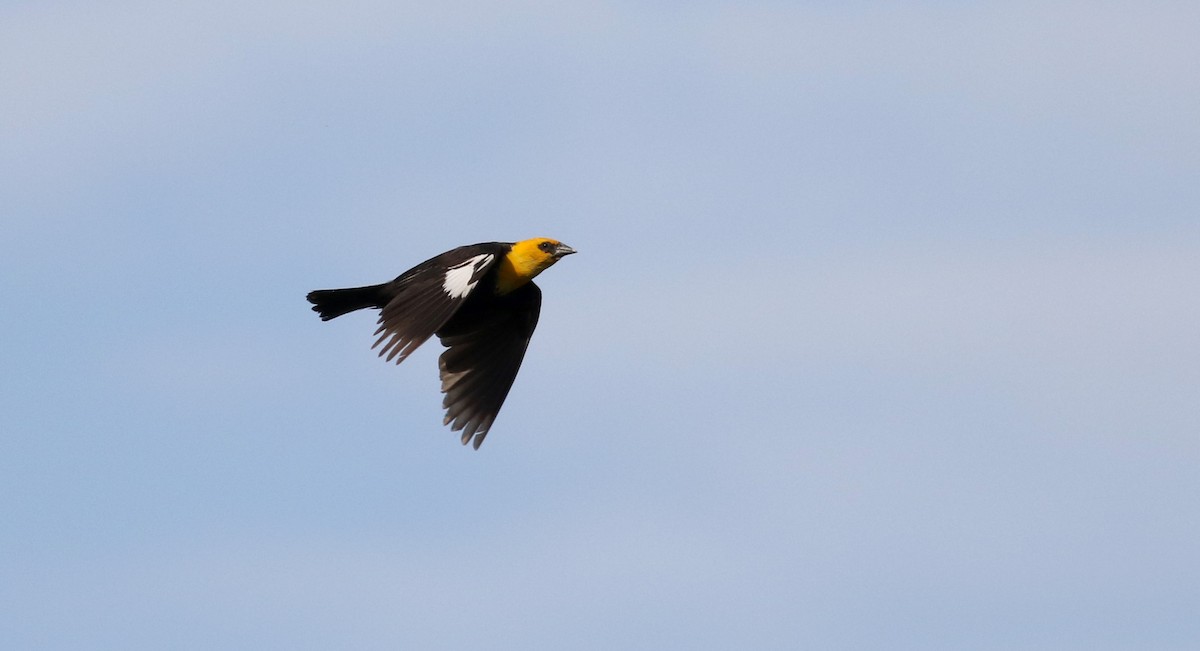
(1036, 55)
(937, 305)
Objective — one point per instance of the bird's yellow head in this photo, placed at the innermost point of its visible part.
(527, 259)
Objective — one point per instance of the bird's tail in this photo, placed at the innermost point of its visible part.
(332, 303)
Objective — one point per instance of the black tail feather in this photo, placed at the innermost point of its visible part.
(332, 303)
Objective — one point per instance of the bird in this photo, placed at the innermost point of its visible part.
(480, 301)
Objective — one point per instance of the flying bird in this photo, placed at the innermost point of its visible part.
(481, 303)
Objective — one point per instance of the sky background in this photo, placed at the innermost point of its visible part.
(883, 332)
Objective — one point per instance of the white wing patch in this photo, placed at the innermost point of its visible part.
(461, 278)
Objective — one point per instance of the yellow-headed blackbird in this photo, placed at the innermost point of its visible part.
(479, 300)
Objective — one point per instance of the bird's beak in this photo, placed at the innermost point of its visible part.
(561, 250)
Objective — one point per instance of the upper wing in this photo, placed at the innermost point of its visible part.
(485, 347)
(425, 297)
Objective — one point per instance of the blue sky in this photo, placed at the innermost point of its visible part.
(882, 333)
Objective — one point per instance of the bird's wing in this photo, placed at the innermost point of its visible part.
(425, 297)
(484, 353)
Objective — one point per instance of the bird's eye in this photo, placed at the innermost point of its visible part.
(546, 246)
